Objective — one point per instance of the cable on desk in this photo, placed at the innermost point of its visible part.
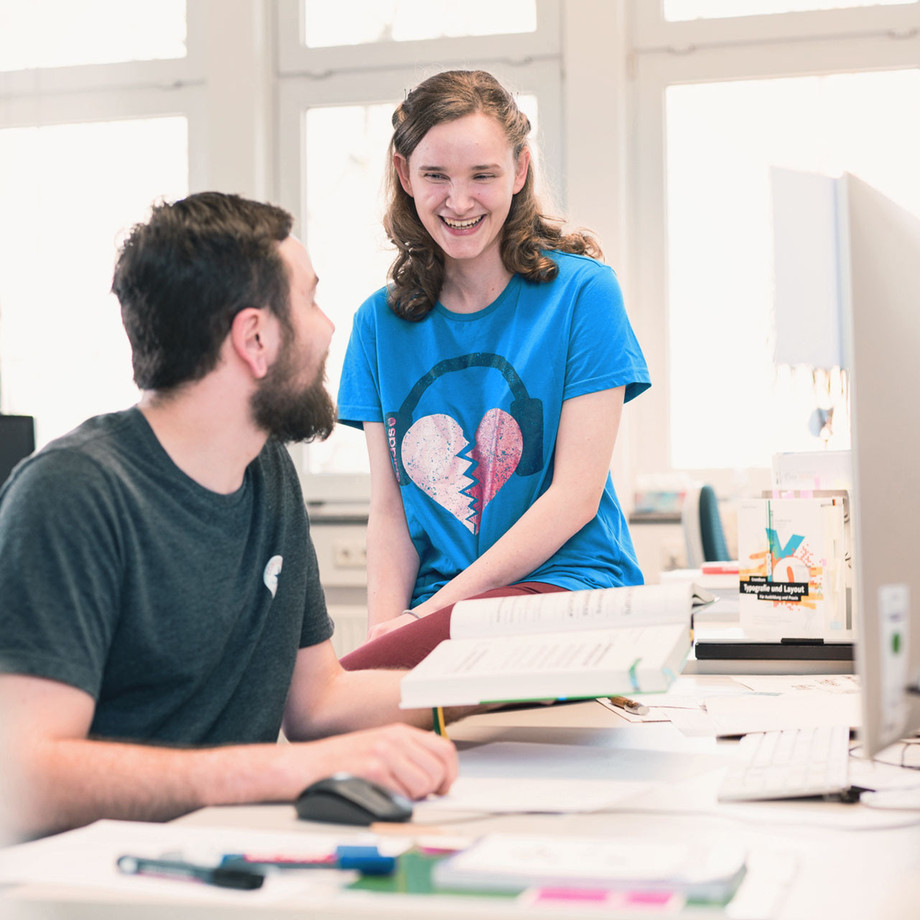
(906, 745)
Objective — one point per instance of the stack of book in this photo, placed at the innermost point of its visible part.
(720, 579)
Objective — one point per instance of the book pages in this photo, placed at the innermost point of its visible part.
(601, 608)
(581, 664)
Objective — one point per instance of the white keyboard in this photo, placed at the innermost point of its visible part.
(789, 764)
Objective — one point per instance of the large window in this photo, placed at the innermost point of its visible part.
(675, 115)
(343, 166)
(334, 133)
(105, 107)
(723, 140)
(94, 126)
(823, 92)
(358, 22)
(63, 352)
(61, 33)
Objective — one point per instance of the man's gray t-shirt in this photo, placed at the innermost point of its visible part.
(180, 610)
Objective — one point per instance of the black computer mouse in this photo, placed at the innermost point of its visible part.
(346, 799)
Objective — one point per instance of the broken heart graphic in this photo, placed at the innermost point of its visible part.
(433, 455)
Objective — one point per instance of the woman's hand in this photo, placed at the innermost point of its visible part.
(381, 629)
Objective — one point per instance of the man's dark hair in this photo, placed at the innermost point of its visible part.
(182, 277)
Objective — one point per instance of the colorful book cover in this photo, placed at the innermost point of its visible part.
(792, 568)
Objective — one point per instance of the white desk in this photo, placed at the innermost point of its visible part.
(848, 861)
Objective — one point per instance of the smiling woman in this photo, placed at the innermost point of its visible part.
(463, 176)
(515, 357)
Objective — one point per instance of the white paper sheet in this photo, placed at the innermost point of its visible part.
(508, 777)
(86, 857)
(512, 795)
(793, 683)
(756, 712)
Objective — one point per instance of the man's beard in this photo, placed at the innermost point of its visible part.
(290, 413)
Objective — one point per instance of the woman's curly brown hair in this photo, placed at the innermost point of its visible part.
(417, 273)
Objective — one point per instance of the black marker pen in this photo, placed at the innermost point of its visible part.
(224, 877)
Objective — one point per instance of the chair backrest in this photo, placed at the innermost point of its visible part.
(715, 548)
(17, 441)
(702, 523)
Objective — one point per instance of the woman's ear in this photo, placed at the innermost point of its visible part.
(521, 168)
(252, 340)
(402, 170)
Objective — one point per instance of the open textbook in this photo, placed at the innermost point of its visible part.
(565, 645)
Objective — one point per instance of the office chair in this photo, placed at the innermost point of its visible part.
(17, 441)
(702, 523)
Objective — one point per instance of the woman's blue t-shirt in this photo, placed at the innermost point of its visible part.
(471, 404)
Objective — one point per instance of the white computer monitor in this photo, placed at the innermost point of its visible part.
(879, 261)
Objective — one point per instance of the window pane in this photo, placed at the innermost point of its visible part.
(358, 22)
(61, 33)
(345, 158)
(730, 406)
(345, 163)
(67, 192)
(680, 10)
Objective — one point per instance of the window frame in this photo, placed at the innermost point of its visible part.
(121, 76)
(40, 110)
(654, 32)
(663, 56)
(295, 58)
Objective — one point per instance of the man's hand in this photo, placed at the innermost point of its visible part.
(407, 760)
(63, 779)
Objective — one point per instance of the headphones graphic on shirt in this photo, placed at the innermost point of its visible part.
(527, 411)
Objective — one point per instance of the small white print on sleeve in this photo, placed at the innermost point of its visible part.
(271, 573)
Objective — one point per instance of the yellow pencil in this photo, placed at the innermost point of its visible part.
(438, 714)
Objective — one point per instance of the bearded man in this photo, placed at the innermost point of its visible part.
(161, 616)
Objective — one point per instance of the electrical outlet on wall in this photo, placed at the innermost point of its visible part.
(350, 554)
